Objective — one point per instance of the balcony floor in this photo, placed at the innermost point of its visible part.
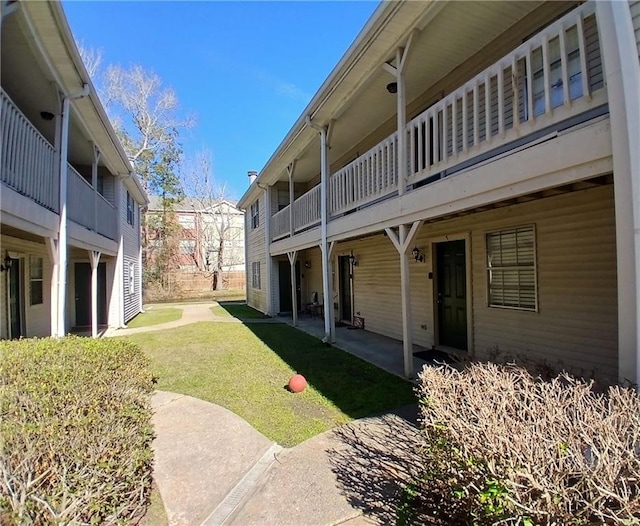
(381, 351)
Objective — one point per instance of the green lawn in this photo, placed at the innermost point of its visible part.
(155, 317)
(237, 310)
(245, 368)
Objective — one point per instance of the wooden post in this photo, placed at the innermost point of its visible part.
(94, 258)
(290, 169)
(402, 241)
(293, 256)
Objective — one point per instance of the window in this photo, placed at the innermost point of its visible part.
(130, 209)
(255, 271)
(187, 221)
(35, 279)
(132, 278)
(511, 268)
(187, 246)
(255, 214)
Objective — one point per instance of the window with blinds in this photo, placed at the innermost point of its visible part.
(511, 268)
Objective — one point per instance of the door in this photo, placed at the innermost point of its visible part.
(451, 294)
(345, 276)
(83, 294)
(15, 300)
(284, 273)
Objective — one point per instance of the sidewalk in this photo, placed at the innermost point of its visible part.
(213, 468)
(191, 313)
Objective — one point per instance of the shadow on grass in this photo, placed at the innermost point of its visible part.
(241, 310)
(356, 387)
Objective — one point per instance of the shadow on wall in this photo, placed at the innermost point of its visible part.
(377, 460)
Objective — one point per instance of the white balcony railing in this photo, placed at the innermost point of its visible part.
(101, 218)
(370, 177)
(28, 166)
(546, 80)
(555, 76)
(107, 218)
(306, 209)
(280, 226)
(28, 160)
(80, 199)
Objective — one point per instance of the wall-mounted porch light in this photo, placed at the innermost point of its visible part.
(307, 264)
(7, 263)
(417, 254)
(353, 260)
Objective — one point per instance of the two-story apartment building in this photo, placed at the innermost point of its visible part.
(69, 201)
(467, 178)
(210, 236)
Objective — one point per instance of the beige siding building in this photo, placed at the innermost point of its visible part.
(467, 179)
(69, 202)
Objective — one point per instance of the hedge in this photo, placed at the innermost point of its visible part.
(505, 447)
(75, 431)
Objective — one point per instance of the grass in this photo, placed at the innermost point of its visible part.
(154, 317)
(237, 310)
(245, 368)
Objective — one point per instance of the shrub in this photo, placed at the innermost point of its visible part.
(75, 431)
(505, 447)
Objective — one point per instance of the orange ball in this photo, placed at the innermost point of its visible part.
(297, 383)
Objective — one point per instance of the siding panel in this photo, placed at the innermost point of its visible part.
(131, 251)
(576, 323)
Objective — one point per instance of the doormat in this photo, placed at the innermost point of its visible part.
(433, 355)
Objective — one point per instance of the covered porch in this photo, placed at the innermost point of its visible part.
(381, 351)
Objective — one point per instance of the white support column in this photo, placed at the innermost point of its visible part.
(293, 257)
(52, 251)
(324, 218)
(403, 241)
(267, 240)
(94, 183)
(290, 170)
(94, 258)
(62, 225)
(61, 294)
(398, 71)
(332, 313)
(622, 71)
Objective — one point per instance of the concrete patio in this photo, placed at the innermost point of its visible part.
(382, 351)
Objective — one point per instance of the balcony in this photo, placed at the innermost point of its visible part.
(548, 84)
(29, 168)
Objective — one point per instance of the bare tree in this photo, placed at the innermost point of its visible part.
(219, 224)
(92, 59)
(146, 117)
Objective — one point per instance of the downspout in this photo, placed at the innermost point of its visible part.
(62, 227)
(324, 249)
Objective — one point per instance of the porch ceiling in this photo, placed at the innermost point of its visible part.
(451, 34)
(37, 50)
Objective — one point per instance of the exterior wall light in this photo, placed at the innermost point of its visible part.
(417, 254)
(7, 263)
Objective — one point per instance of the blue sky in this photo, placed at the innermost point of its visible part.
(245, 69)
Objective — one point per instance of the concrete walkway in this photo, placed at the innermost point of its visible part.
(213, 468)
(191, 313)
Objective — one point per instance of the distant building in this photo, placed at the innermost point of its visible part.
(210, 241)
